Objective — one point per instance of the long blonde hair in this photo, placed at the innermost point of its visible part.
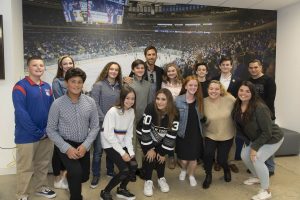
(165, 76)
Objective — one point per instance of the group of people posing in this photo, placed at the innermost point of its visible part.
(139, 121)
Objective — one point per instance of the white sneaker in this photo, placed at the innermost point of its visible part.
(148, 188)
(193, 181)
(252, 181)
(23, 198)
(65, 184)
(262, 195)
(61, 184)
(182, 175)
(163, 185)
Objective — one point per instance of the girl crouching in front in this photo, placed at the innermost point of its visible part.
(116, 139)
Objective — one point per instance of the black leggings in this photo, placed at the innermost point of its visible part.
(223, 148)
(126, 169)
(150, 166)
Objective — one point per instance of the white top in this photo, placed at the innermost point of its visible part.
(174, 89)
(117, 130)
(225, 81)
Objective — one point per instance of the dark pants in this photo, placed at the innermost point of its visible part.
(57, 164)
(222, 147)
(78, 171)
(150, 166)
(126, 169)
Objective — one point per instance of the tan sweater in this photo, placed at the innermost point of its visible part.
(219, 125)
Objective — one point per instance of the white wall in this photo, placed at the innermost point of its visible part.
(288, 67)
(11, 10)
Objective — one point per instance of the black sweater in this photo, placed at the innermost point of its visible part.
(266, 89)
(156, 136)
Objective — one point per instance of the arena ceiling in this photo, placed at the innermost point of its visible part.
(252, 4)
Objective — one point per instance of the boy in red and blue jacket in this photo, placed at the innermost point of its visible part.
(32, 99)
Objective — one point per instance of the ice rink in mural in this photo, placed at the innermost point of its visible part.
(93, 67)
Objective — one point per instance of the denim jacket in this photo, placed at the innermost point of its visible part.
(183, 109)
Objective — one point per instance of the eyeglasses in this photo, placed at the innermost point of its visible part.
(151, 78)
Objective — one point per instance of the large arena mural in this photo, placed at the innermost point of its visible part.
(183, 34)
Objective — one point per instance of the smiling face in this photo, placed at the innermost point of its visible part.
(66, 64)
(161, 101)
(139, 70)
(129, 100)
(74, 85)
(201, 71)
(36, 68)
(244, 94)
(191, 87)
(113, 71)
(151, 57)
(172, 72)
(214, 91)
(226, 66)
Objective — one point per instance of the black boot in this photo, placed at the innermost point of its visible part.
(207, 181)
(227, 175)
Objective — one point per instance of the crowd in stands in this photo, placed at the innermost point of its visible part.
(206, 47)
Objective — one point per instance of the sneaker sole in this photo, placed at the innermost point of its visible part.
(148, 195)
(93, 186)
(260, 199)
(193, 185)
(62, 188)
(124, 197)
(46, 196)
(165, 191)
(251, 183)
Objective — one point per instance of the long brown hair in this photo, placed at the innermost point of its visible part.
(198, 94)
(253, 102)
(104, 73)
(171, 109)
(125, 90)
(60, 70)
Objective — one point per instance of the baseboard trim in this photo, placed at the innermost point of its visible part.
(7, 171)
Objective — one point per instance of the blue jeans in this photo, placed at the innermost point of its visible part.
(97, 154)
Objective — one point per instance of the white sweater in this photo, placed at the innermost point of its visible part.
(117, 130)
